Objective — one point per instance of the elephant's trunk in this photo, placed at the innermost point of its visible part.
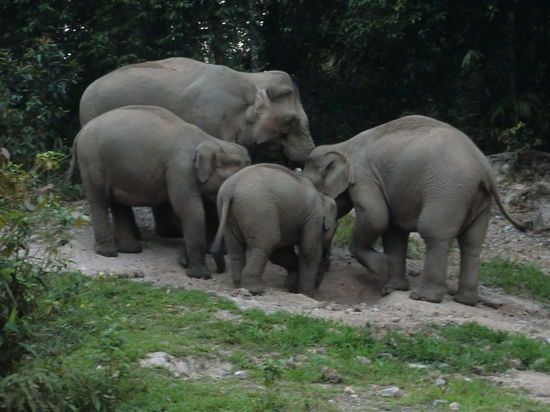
(299, 144)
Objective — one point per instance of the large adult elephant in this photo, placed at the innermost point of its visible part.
(413, 174)
(260, 111)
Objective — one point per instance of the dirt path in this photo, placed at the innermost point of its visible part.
(348, 294)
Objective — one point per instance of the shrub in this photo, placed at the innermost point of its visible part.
(33, 224)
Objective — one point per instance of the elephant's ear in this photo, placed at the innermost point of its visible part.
(336, 173)
(260, 102)
(206, 154)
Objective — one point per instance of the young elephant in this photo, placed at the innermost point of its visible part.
(413, 174)
(265, 210)
(147, 156)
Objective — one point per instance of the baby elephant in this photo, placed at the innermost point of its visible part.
(265, 210)
(147, 156)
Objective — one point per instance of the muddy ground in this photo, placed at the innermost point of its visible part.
(350, 295)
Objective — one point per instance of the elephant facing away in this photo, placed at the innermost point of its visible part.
(413, 174)
(261, 111)
(147, 156)
(265, 211)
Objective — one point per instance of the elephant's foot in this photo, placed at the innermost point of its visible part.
(397, 283)
(469, 299)
(129, 246)
(255, 287)
(183, 259)
(109, 250)
(428, 292)
(199, 272)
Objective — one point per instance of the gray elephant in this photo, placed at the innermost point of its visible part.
(147, 156)
(413, 174)
(265, 211)
(260, 111)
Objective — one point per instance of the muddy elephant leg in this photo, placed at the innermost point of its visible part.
(286, 257)
(166, 224)
(371, 221)
(252, 275)
(237, 256)
(395, 248)
(432, 286)
(125, 229)
(470, 243)
(190, 211)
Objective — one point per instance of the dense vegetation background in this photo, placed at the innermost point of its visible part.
(480, 65)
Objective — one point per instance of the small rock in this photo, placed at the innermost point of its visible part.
(417, 366)
(455, 406)
(468, 380)
(542, 220)
(300, 358)
(241, 374)
(389, 392)
(514, 363)
(440, 382)
(479, 370)
(322, 305)
(375, 310)
(396, 320)
(539, 362)
(363, 359)
(439, 402)
(330, 375)
(349, 390)
(241, 292)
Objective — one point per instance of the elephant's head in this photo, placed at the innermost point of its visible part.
(329, 170)
(215, 161)
(279, 126)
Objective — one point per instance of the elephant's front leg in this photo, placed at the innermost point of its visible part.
(191, 213)
(371, 221)
(126, 230)
(311, 254)
(286, 257)
(395, 248)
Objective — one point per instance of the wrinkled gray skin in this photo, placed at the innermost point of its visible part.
(413, 174)
(265, 210)
(261, 111)
(147, 156)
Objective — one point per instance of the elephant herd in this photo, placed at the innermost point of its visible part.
(197, 141)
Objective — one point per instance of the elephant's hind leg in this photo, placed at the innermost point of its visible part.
(470, 243)
(432, 286)
(395, 248)
(99, 208)
(125, 229)
(252, 277)
(237, 255)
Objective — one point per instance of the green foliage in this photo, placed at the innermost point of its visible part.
(516, 278)
(33, 224)
(342, 237)
(34, 91)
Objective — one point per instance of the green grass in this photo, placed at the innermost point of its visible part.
(343, 232)
(516, 278)
(91, 333)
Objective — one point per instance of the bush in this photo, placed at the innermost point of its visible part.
(34, 100)
(33, 224)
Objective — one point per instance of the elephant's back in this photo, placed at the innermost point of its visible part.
(158, 83)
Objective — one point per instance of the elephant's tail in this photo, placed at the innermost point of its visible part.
(494, 192)
(217, 243)
(69, 173)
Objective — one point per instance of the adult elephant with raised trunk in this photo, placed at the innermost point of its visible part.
(413, 174)
(260, 111)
